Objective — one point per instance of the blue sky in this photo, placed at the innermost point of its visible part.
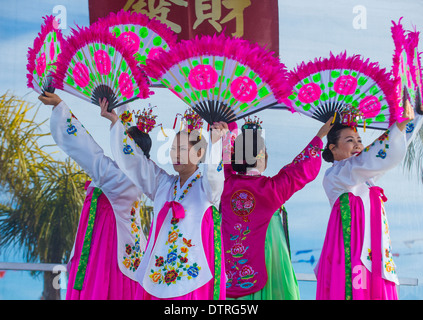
(307, 29)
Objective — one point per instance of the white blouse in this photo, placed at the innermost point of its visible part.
(176, 238)
(71, 136)
(358, 173)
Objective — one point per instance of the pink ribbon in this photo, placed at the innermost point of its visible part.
(376, 195)
(178, 212)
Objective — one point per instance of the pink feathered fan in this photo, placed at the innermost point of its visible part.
(95, 65)
(325, 86)
(406, 66)
(144, 37)
(221, 78)
(43, 55)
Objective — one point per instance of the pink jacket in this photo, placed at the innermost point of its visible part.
(247, 205)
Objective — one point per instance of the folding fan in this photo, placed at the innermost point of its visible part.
(43, 54)
(221, 78)
(95, 65)
(325, 86)
(406, 65)
(144, 37)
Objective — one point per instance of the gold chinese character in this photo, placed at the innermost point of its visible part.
(209, 10)
(237, 13)
(159, 11)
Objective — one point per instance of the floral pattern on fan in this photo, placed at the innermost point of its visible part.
(325, 86)
(221, 78)
(145, 38)
(43, 55)
(96, 65)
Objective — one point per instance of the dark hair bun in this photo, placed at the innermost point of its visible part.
(142, 139)
(327, 154)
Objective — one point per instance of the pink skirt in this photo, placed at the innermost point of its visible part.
(103, 278)
(206, 291)
(331, 268)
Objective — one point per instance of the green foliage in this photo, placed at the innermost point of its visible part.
(41, 198)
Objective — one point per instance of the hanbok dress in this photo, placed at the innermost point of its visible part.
(183, 258)
(356, 261)
(109, 242)
(257, 266)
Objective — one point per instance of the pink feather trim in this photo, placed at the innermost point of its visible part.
(260, 60)
(398, 36)
(126, 17)
(412, 47)
(97, 34)
(49, 25)
(354, 62)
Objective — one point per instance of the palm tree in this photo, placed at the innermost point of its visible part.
(42, 198)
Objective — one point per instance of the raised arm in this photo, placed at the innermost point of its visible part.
(71, 136)
(130, 158)
(383, 154)
(303, 169)
(213, 180)
(227, 147)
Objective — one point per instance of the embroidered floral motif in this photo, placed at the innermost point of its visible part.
(311, 151)
(175, 265)
(409, 127)
(126, 118)
(133, 254)
(383, 139)
(71, 128)
(240, 271)
(381, 154)
(243, 203)
(220, 166)
(175, 188)
(369, 254)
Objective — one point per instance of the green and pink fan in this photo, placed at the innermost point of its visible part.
(144, 37)
(406, 66)
(325, 87)
(43, 55)
(95, 64)
(221, 78)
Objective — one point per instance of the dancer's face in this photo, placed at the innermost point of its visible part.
(349, 144)
(183, 154)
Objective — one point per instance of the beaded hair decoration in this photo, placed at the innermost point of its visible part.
(190, 121)
(350, 116)
(146, 120)
(252, 123)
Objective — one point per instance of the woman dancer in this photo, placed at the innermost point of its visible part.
(249, 202)
(109, 242)
(356, 260)
(179, 261)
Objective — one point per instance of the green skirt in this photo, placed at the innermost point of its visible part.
(281, 282)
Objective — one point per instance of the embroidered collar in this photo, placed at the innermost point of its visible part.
(196, 175)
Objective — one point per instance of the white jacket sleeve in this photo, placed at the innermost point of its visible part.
(383, 154)
(71, 136)
(213, 173)
(413, 128)
(142, 171)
